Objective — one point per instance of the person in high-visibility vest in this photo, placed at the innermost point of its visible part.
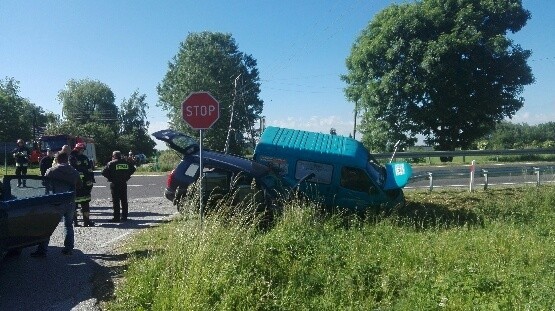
(21, 156)
(84, 166)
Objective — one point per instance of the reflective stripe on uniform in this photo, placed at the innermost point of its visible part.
(122, 167)
(82, 199)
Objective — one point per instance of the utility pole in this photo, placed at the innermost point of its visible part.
(229, 129)
(355, 126)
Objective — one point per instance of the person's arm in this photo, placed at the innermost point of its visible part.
(107, 173)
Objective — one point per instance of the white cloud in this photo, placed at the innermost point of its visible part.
(532, 119)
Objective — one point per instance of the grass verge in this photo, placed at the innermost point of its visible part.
(447, 250)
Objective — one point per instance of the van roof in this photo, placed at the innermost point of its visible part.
(310, 145)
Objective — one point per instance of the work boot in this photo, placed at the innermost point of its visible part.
(87, 222)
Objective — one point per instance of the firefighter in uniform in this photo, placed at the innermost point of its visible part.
(84, 166)
(118, 171)
(21, 156)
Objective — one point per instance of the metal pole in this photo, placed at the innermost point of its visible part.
(472, 169)
(485, 179)
(201, 177)
(226, 149)
(537, 169)
(430, 175)
(355, 121)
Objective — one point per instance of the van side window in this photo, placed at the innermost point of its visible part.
(356, 179)
(322, 172)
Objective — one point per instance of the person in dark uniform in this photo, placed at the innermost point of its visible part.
(118, 171)
(46, 162)
(21, 155)
(84, 166)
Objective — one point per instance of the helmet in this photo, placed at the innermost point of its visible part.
(20, 141)
(80, 146)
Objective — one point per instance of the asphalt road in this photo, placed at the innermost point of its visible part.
(60, 282)
(139, 186)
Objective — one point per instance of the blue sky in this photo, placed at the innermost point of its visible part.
(300, 46)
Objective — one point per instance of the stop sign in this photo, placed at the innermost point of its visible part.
(200, 110)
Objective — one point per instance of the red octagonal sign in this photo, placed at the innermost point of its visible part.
(200, 110)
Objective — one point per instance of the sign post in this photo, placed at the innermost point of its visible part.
(200, 111)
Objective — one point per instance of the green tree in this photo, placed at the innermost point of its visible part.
(441, 68)
(209, 61)
(134, 125)
(85, 101)
(18, 113)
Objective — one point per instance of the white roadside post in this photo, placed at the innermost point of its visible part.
(200, 111)
(472, 170)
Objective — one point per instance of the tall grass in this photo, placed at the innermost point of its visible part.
(490, 250)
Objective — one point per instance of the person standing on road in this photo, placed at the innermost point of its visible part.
(84, 166)
(46, 162)
(63, 172)
(65, 149)
(21, 156)
(118, 171)
(131, 158)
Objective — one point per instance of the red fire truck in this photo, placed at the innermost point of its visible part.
(55, 143)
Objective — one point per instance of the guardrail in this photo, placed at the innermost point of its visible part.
(463, 153)
(484, 173)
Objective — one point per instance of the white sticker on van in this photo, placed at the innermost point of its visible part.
(399, 169)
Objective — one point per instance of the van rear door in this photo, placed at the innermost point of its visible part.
(397, 175)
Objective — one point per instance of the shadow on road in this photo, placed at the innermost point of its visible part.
(46, 282)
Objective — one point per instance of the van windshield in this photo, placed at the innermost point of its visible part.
(376, 171)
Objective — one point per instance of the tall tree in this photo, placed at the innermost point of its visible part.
(441, 68)
(18, 113)
(209, 61)
(134, 125)
(85, 101)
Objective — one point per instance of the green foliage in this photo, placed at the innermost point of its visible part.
(90, 111)
(444, 69)
(445, 250)
(18, 113)
(509, 135)
(168, 160)
(211, 61)
(85, 101)
(134, 125)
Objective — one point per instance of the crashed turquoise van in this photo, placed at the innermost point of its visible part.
(337, 171)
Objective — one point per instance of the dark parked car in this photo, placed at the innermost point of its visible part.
(140, 159)
(223, 173)
(29, 215)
